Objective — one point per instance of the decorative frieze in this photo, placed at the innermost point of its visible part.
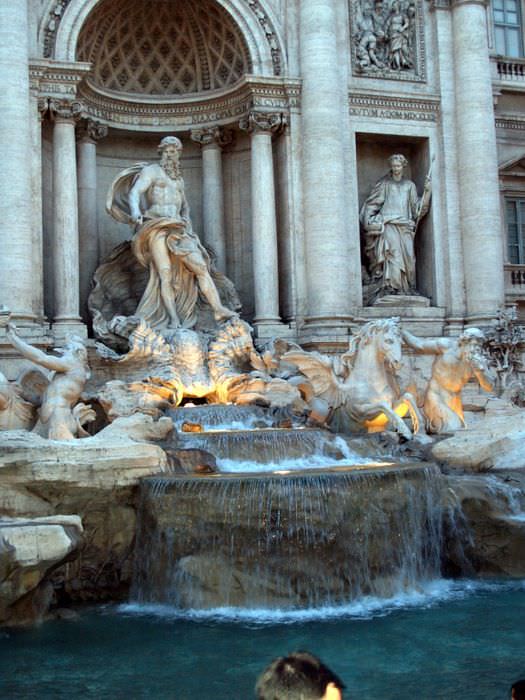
(188, 114)
(58, 79)
(381, 107)
(388, 39)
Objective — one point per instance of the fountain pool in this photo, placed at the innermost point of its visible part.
(449, 640)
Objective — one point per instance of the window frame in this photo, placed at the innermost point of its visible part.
(507, 27)
(520, 225)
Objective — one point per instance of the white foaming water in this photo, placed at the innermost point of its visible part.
(426, 595)
(312, 461)
(512, 495)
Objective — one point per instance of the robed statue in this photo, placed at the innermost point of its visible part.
(390, 217)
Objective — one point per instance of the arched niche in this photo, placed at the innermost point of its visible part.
(59, 32)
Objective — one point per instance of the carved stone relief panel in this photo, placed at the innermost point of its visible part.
(387, 39)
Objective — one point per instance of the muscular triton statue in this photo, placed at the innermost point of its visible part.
(60, 416)
(456, 361)
(151, 198)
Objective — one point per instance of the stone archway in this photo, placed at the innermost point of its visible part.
(147, 47)
(60, 29)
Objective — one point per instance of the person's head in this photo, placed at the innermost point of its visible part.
(298, 676)
(170, 148)
(397, 164)
(471, 340)
(517, 692)
(76, 346)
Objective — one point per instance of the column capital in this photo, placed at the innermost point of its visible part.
(271, 122)
(42, 105)
(65, 110)
(91, 130)
(215, 135)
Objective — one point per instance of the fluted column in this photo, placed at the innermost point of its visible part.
(261, 126)
(65, 213)
(477, 162)
(212, 142)
(88, 134)
(325, 225)
(16, 216)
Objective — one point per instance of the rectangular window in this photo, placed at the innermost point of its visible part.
(516, 231)
(507, 28)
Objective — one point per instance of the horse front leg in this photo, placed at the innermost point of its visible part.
(415, 414)
(371, 411)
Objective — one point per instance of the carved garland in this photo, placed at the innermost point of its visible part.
(57, 12)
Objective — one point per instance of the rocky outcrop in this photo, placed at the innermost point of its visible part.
(485, 524)
(494, 442)
(95, 478)
(29, 551)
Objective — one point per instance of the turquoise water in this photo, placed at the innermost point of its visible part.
(451, 640)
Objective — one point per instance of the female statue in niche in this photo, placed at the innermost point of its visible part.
(390, 216)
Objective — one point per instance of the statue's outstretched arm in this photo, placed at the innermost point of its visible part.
(56, 364)
(423, 346)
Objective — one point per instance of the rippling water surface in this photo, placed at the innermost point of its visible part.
(449, 640)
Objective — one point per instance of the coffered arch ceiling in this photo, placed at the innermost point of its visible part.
(161, 47)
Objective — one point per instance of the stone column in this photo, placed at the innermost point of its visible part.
(261, 126)
(39, 106)
(16, 216)
(65, 113)
(477, 162)
(212, 141)
(325, 222)
(88, 134)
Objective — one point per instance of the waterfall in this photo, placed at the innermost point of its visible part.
(302, 540)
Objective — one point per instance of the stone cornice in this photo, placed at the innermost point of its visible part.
(57, 78)
(417, 109)
(190, 112)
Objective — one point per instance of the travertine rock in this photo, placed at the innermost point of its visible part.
(495, 442)
(29, 550)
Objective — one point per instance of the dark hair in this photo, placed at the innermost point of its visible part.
(298, 676)
(518, 690)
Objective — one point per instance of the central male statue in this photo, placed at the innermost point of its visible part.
(151, 197)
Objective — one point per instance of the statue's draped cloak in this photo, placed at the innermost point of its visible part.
(390, 249)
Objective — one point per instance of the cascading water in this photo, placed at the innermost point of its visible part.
(302, 540)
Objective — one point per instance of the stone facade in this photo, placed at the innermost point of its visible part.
(287, 111)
